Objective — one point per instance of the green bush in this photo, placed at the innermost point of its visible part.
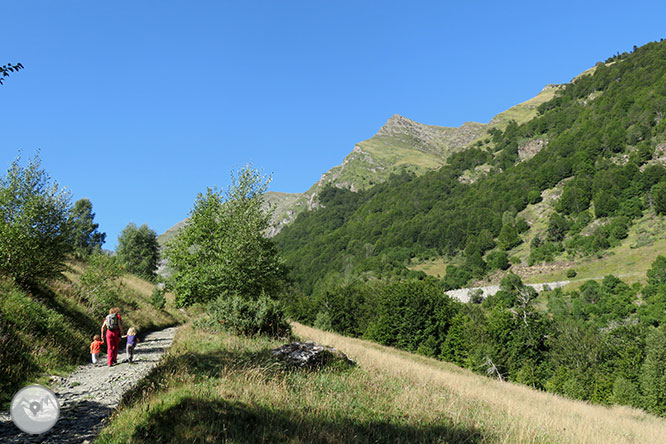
(248, 317)
(498, 260)
(476, 296)
(409, 313)
(100, 286)
(157, 299)
(571, 273)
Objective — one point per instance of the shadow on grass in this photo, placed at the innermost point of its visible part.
(195, 420)
(16, 362)
(81, 321)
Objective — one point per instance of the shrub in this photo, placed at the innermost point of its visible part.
(498, 260)
(323, 321)
(515, 260)
(571, 273)
(248, 317)
(157, 299)
(476, 296)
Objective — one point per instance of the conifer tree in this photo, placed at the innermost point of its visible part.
(85, 237)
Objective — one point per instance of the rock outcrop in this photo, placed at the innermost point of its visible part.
(310, 355)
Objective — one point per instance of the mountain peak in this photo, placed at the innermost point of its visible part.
(398, 124)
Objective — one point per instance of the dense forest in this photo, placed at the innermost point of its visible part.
(603, 342)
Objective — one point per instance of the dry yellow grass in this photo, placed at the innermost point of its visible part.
(513, 413)
(135, 305)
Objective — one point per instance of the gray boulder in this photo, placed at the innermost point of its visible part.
(311, 355)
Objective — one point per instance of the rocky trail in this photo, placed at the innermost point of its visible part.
(88, 396)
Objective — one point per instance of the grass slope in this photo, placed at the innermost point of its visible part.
(49, 332)
(222, 388)
(630, 260)
(525, 111)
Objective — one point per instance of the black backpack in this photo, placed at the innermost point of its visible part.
(112, 321)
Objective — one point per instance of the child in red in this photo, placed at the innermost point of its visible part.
(95, 347)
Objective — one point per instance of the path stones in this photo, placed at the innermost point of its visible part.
(89, 395)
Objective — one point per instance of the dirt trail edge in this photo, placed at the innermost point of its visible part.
(89, 395)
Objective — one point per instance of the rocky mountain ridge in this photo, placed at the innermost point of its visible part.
(401, 144)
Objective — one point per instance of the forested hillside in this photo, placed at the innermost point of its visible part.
(600, 139)
(598, 147)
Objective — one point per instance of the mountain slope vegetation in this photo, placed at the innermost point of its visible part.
(582, 180)
(56, 282)
(597, 139)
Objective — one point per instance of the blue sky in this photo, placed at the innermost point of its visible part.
(140, 105)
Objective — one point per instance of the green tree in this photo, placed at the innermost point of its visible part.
(498, 260)
(508, 237)
(653, 373)
(657, 273)
(138, 250)
(100, 286)
(659, 197)
(576, 196)
(34, 234)
(85, 237)
(557, 227)
(457, 344)
(223, 247)
(605, 204)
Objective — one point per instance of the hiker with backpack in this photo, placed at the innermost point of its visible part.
(114, 329)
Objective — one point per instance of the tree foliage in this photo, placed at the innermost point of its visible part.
(138, 250)
(85, 236)
(223, 248)
(35, 236)
(100, 286)
(6, 69)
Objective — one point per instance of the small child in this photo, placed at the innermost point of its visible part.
(132, 340)
(95, 346)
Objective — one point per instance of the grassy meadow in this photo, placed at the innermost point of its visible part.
(216, 387)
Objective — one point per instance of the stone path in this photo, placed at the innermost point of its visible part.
(90, 394)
